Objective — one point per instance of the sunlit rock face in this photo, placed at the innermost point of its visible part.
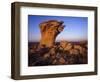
(63, 44)
(49, 31)
(81, 49)
(66, 45)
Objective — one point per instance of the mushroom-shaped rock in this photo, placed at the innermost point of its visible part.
(49, 31)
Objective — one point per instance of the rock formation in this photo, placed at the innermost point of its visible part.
(49, 52)
(49, 31)
(66, 45)
(63, 53)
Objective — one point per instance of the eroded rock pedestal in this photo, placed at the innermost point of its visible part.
(49, 31)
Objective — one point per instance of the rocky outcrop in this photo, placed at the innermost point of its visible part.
(63, 53)
(49, 52)
(49, 31)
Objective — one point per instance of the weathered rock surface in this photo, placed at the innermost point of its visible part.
(63, 53)
(49, 52)
(49, 31)
(65, 45)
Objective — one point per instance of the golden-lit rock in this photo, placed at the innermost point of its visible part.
(46, 55)
(79, 48)
(68, 47)
(49, 31)
(74, 51)
(63, 44)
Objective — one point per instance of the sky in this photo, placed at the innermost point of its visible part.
(76, 28)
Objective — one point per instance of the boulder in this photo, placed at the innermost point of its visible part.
(74, 51)
(62, 60)
(63, 44)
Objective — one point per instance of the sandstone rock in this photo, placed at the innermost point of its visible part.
(68, 47)
(74, 51)
(61, 48)
(52, 51)
(62, 60)
(49, 31)
(79, 48)
(63, 44)
(83, 52)
(46, 55)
